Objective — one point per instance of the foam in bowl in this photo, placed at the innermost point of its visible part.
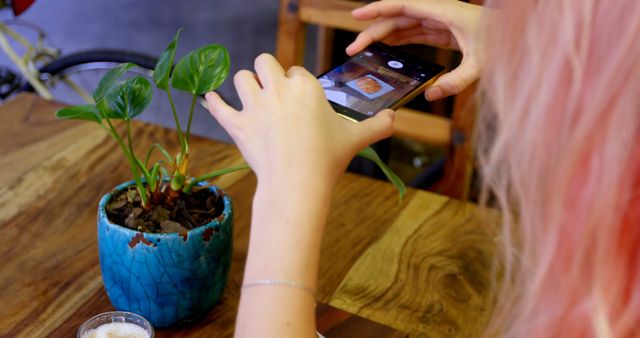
(117, 330)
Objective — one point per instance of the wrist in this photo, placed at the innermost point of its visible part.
(299, 183)
(287, 225)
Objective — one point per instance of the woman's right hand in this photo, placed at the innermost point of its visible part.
(287, 131)
(441, 23)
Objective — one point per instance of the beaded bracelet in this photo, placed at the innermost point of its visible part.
(284, 282)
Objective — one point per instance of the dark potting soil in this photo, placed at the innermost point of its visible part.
(179, 214)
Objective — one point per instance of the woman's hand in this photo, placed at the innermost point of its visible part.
(297, 146)
(287, 130)
(441, 23)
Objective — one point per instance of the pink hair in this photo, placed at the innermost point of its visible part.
(559, 148)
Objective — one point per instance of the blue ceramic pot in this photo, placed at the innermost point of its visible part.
(168, 278)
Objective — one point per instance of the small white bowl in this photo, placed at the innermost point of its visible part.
(115, 317)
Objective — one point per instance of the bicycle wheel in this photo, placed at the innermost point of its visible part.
(85, 69)
(72, 78)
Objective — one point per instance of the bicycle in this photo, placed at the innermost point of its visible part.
(44, 70)
(72, 78)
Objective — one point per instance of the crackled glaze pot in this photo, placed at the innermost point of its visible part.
(168, 278)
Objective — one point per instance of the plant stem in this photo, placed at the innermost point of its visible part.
(128, 120)
(175, 118)
(132, 164)
(114, 133)
(193, 105)
(141, 165)
(177, 181)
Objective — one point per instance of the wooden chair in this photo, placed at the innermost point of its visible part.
(455, 133)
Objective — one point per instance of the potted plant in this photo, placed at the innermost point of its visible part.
(165, 238)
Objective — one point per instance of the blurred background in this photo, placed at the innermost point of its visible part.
(248, 28)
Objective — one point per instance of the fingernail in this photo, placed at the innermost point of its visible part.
(208, 95)
(434, 93)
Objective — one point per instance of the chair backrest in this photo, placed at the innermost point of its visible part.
(455, 133)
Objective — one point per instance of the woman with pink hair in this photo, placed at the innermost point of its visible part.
(557, 140)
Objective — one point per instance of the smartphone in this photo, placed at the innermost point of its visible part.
(376, 78)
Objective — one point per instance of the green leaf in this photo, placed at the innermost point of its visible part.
(213, 174)
(160, 148)
(162, 71)
(84, 112)
(153, 177)
(202, 70)
(371, 154)
(109, 79)
(127, 99)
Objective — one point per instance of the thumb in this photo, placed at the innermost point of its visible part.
(375, 128)
(454, 81)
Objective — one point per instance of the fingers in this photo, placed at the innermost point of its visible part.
(385, 9)
(246, 85)
(375, 128)
(221, 111)
(403, 34)
(417, 35)
(379, 9)
(299, 71)
(379, 30)
(453, 82)
(269, 70)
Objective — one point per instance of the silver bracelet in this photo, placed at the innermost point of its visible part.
(283, 282)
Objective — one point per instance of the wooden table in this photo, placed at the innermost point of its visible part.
(420, 266)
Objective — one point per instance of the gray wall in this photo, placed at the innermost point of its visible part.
(246, 27)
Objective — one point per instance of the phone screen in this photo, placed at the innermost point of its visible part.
(375, 79)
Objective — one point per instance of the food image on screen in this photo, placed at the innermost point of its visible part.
(370, 86)
(367, 84)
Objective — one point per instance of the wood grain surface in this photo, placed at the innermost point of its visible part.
(421, 266)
